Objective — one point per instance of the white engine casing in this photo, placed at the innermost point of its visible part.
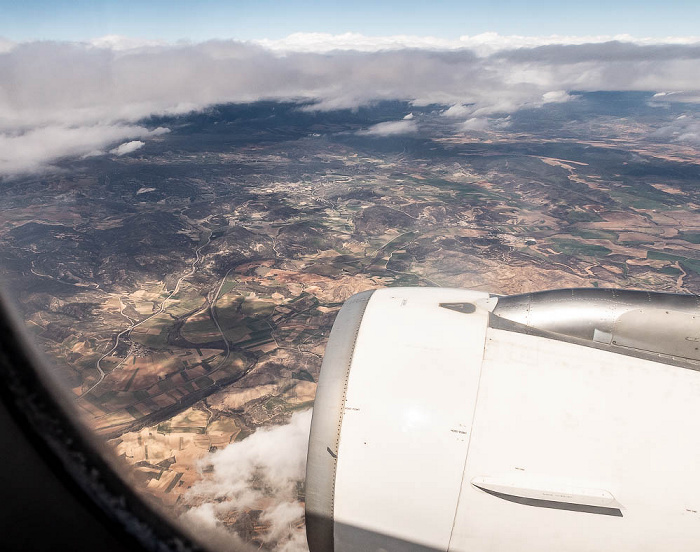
(437, 429)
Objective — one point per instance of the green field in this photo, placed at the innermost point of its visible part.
(692, 237)
(686, 262)
(579, 248)
(228, 285)
(588, 234)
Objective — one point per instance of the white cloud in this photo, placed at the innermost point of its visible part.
(661, 98)
(484, 44)
(205, 526)
(556, 96)
(127, 147)
(408, 117)
(391, 128)
(685, 130)
(62, 83)
(458, 111)
(6, 45)
(34, 149)
(476, 123)
(115, 82)
(92, 153)
(326, 42)
(118, 42)
(262, 471)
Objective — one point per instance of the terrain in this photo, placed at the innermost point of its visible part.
(184, 293)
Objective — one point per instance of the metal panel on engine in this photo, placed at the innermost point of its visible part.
(407, 418)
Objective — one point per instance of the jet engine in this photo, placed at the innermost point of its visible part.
(456, 420)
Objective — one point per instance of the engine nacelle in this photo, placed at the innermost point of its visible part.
(449, 419)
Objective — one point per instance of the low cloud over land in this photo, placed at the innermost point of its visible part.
(94, 93)
(127, 147)
(263, 472)
(685, 129)
(392, 128)
(33, 148)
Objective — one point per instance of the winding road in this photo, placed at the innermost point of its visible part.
(212, 309)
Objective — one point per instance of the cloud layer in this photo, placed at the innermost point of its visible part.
(105, 87)
(484, 43)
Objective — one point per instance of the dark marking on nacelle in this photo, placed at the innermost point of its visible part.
(555, 505)
(464, 308)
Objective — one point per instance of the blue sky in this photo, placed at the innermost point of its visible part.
(256, 19)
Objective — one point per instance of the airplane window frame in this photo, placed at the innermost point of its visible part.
(50, 424)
